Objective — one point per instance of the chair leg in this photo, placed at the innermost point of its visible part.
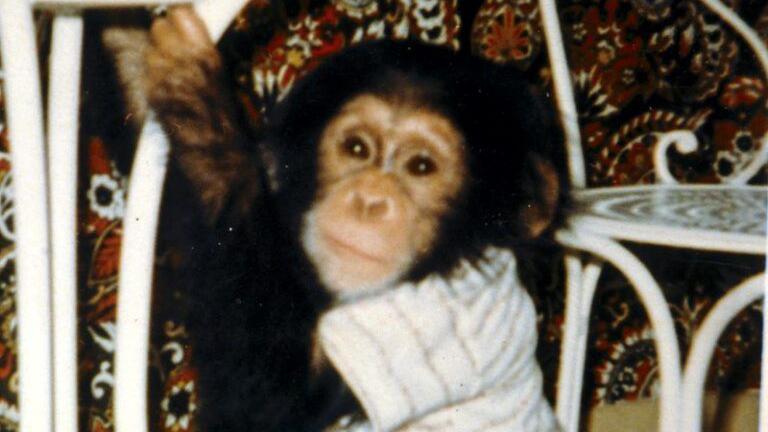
(568, 345)
(763, 407)
(135, 280)
(581, 282)
(63, 107)
(25, 128)
(704, 343)
(138, 251)
(589, 279)
(656, 307)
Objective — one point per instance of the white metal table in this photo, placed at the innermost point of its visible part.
(729, 218)
(721, 218)
(705, 217)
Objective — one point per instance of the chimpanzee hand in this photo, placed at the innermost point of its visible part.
(183, 79)
(186, 89)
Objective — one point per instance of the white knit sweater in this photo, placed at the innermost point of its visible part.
(448, 355)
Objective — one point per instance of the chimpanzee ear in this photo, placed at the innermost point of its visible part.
(539, 212)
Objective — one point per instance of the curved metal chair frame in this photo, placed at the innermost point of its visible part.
(47, 319)
(726, 218)
(45, 231)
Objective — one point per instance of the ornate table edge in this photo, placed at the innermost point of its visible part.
(660, 235)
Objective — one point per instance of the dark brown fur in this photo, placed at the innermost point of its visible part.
(256, 294)
(183, 84)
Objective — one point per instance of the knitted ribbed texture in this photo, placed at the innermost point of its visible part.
(449, 355)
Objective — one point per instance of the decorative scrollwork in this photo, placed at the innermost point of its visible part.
(684, 141)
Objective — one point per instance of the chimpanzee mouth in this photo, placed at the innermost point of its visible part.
(349, 249)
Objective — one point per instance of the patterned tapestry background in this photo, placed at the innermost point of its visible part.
(638, 66)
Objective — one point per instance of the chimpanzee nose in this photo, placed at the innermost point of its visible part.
(370, 206)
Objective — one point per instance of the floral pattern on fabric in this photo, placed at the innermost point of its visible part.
(313, 34)
(642, 67)
(508, 32)
(171, 376)
(9, 377)
(179, 401)
(101, 231)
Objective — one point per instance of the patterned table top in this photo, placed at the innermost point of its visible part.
(725, 218)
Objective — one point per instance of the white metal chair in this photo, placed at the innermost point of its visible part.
(47, 317)
(726, 218)
(658, 215)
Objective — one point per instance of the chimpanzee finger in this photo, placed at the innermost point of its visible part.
(162, 34)
(190, 27)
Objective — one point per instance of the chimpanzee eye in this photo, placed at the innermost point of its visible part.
(421, 166)
(355, 147)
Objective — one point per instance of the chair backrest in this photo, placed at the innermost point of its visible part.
(684, 140)
(45, 217)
